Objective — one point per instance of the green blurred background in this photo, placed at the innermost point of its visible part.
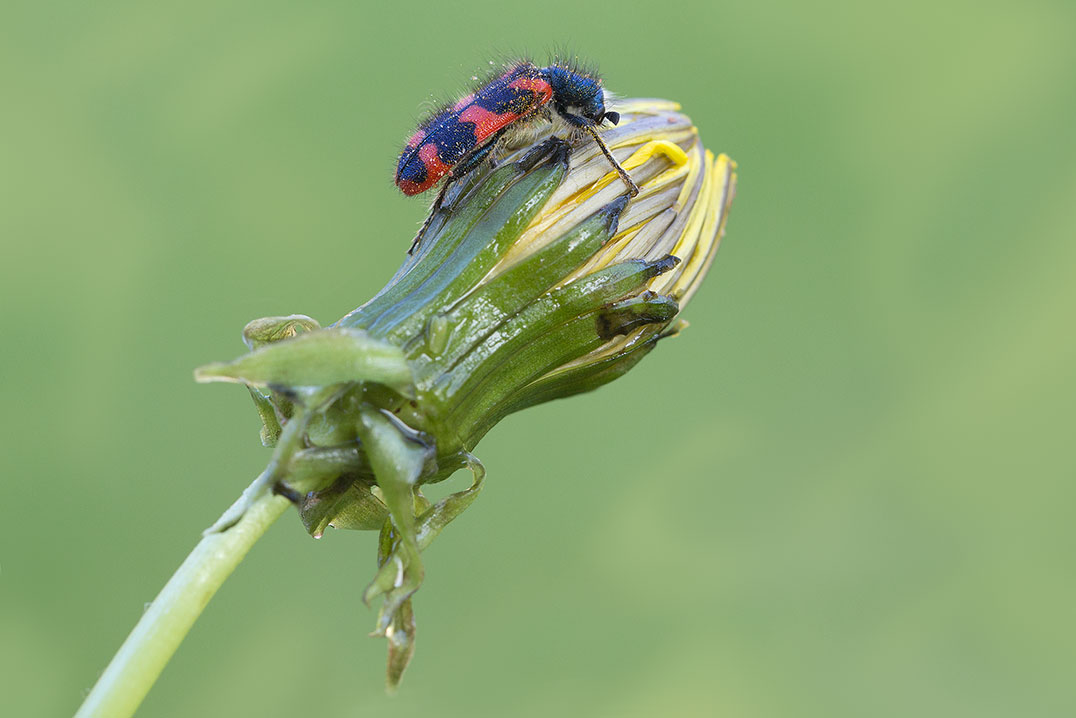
(845, 491)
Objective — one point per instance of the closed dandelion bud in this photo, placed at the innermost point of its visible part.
(542, 278)
(539, 276)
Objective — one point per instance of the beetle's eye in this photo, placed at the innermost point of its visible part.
(613, 117)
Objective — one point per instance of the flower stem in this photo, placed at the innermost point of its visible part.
(142, 657)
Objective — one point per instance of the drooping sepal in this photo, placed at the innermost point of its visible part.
(316, 359)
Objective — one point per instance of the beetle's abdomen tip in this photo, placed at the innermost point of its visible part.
(411, 188)
(419, 170)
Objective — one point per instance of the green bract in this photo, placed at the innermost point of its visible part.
(537, 279)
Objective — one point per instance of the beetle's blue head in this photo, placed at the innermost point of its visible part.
(577, 93)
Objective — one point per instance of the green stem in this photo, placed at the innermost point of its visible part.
(142, 657)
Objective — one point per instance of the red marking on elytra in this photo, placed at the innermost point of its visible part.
(463, 102)
(435, 166)
(431, 157)
(486, 122)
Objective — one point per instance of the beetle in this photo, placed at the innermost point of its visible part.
(460, 137)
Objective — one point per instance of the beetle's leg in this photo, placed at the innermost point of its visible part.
(587, 125)
(468, 163)
(541, 151)
(433, 213)
(633, 189)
